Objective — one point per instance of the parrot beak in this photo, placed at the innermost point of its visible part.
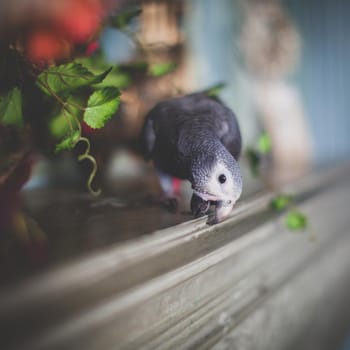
(200, 206)
(223, 210)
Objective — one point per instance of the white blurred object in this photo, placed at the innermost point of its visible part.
(271, 46)
(124, 165)
(281, 109)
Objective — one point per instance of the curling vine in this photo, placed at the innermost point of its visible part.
(67, 82)
(50, 89)
(56, 83)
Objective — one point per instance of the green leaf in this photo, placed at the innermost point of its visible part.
(116, 76)
(117, 79)
(253, 161)
(68, 142)
(67, 78)
(11, 108)
(296, 220)
(102, 105)
(281, 202)
(59, 126)
(160, 69)
(215, 90)
(62, 122)
(264, 143)
(124, 19)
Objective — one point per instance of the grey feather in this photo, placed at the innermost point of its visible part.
(187, 136)
(169, 129)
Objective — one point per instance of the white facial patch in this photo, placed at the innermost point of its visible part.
(221, 191)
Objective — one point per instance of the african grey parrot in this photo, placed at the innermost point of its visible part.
(196, 137)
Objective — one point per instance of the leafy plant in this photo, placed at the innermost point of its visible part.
(256, 153)
(45, 90)
(11, 108)
(97, 104)
(264, 144)
(55, 79)
(124, 19)
(281, 202)
(214, 90)
(295, 219)
(160, 69)
(254, 159)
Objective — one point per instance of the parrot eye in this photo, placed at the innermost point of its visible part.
(222, 178)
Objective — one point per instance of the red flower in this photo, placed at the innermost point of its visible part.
(79, 20)
(44, 45)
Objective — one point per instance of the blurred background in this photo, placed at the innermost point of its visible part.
(284, 68)
(283, 63)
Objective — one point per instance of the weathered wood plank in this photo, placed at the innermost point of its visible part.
(236, 285)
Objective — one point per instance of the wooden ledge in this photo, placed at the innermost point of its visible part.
(197, 286)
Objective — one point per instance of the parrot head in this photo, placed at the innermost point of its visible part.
(215, 180)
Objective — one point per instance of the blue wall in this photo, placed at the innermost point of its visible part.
(324, 73)
(211, 28)
(322, 77)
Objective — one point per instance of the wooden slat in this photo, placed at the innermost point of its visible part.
(195, 286)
